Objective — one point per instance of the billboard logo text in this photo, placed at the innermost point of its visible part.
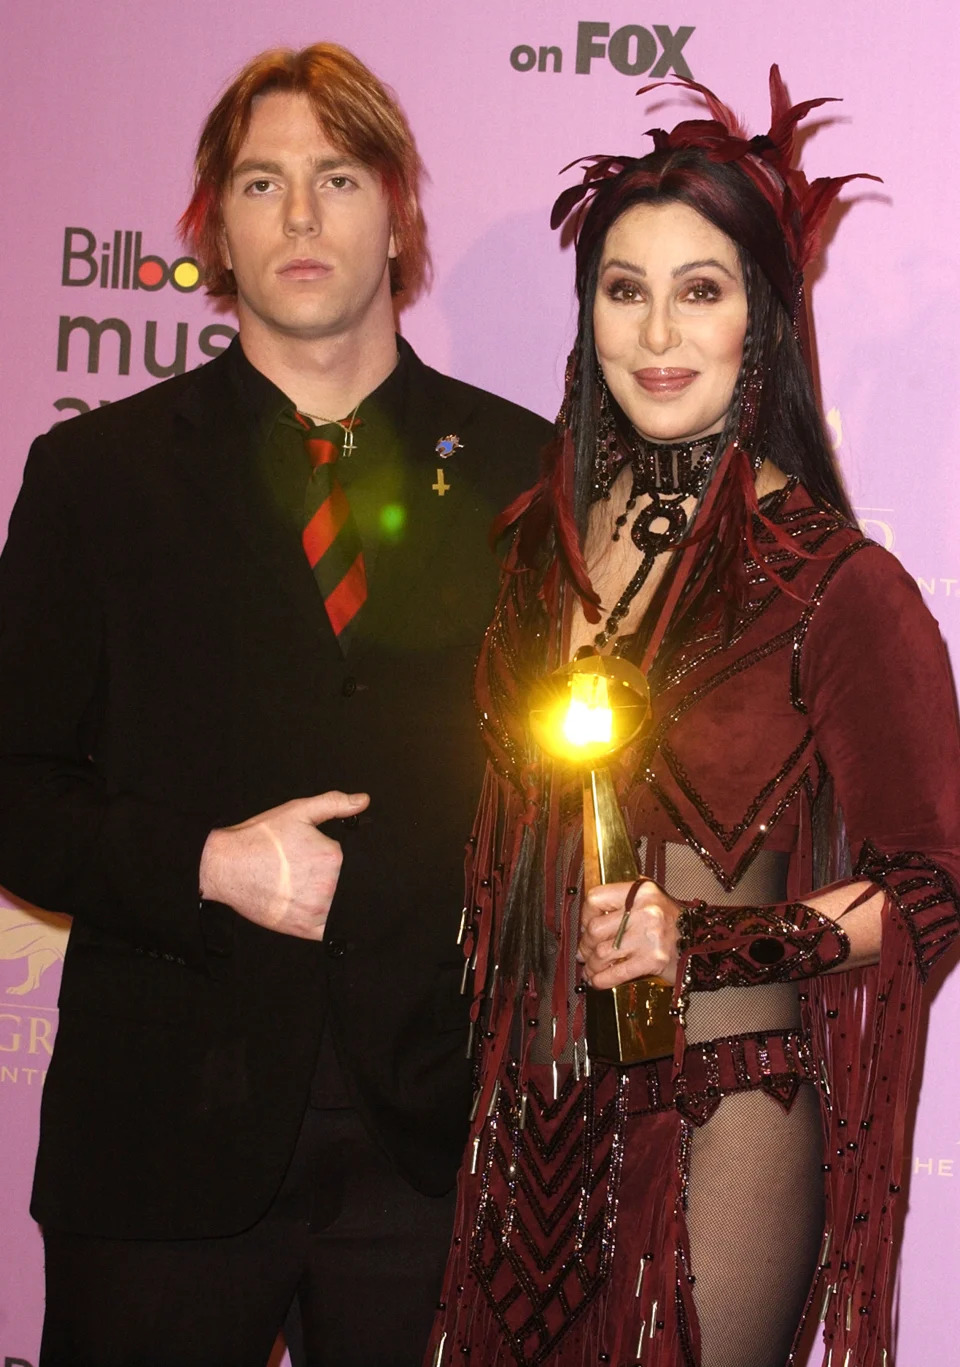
(119, 263)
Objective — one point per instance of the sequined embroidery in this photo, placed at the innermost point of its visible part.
(924, 894)
(541, 1267)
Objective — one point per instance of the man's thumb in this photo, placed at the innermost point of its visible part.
(326, 806)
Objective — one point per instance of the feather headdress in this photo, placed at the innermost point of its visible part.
(801, 207)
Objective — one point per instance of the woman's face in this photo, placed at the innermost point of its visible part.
(669, 319)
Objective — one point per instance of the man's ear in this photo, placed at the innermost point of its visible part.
(225, 250)
(396, 237)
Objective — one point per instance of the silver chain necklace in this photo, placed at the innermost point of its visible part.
(346, 425)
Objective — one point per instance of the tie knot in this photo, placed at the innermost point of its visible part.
(321, 451)
(325, 450)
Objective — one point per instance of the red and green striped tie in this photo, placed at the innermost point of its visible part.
(330, 536)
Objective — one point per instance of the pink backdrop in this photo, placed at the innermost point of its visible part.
(103, 106)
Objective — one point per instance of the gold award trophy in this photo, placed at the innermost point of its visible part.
(583, 714)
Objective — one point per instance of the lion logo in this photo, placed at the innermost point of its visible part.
(37, 937)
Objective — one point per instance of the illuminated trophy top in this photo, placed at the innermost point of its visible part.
(583, 714)
(590, 709)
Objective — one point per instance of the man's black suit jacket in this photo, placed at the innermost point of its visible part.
(166, 665)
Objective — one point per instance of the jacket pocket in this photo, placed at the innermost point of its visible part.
(109, 980)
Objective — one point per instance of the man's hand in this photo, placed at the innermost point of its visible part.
(649, 944)
(277, 869)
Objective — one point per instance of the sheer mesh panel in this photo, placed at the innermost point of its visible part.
(754, 1220)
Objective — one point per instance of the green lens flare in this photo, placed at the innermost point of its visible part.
(393, 518)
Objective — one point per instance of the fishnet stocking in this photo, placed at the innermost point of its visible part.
(754, 1219)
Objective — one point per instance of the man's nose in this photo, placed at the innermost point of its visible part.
(302, 216)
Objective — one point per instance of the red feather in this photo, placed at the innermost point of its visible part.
(566, 201)
(817, 201)
(722, 113)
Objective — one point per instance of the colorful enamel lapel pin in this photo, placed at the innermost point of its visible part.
(445, 447)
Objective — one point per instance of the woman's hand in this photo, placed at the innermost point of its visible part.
(649, 943)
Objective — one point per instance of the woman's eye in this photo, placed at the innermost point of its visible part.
(703, 291)
(624, 291)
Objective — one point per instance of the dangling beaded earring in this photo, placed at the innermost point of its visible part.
(749, 412)
(608, 460)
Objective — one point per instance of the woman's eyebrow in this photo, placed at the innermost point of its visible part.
(620, 263)
(699, 265)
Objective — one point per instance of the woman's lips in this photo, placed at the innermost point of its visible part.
(669, 380)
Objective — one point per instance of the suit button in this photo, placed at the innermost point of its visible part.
(349, 686)
(335, 948)
(350, 823)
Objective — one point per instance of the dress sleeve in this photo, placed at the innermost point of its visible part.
(115, 861)
(876, 683)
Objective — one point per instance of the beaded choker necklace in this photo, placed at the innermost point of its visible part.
(665, 473)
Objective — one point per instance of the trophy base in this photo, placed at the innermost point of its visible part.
(630, 1023)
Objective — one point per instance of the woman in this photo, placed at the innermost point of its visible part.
(702, 1210)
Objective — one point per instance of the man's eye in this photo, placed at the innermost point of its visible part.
(339, 182)
(259, 187)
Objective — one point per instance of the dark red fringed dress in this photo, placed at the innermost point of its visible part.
(714, 1209)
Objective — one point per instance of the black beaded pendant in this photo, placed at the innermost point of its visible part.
(666, 474)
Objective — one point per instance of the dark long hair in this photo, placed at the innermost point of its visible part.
(789, 427)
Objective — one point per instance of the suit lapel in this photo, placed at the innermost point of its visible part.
(407, 566)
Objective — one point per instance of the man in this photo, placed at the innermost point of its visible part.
(219, 632)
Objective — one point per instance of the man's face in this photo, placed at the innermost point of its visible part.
(306, 227)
